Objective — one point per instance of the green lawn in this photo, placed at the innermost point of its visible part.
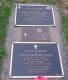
(38, 1)
(5, 10)
(64, 19)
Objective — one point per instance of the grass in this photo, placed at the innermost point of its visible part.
(38, 1)
(5, 9)
(1, 57)
(64, 19)
(4, 14)
(66, 5)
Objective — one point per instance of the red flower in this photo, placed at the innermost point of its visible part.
(41, 78)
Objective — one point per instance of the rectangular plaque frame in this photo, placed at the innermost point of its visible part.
(35, 34)
(35, 5)
(36, 76)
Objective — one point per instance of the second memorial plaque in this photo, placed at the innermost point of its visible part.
(35, 34)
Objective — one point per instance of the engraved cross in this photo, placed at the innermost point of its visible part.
(35, 46)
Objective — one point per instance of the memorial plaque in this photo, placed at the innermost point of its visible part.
(34, 15)
(35, 34)
(31, 59)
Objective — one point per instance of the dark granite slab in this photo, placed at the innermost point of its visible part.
(34, 15)
(34, 59)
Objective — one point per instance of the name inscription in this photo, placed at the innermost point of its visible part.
(34, 15)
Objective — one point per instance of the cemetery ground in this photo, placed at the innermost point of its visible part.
(5, 11)
(15, 34)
